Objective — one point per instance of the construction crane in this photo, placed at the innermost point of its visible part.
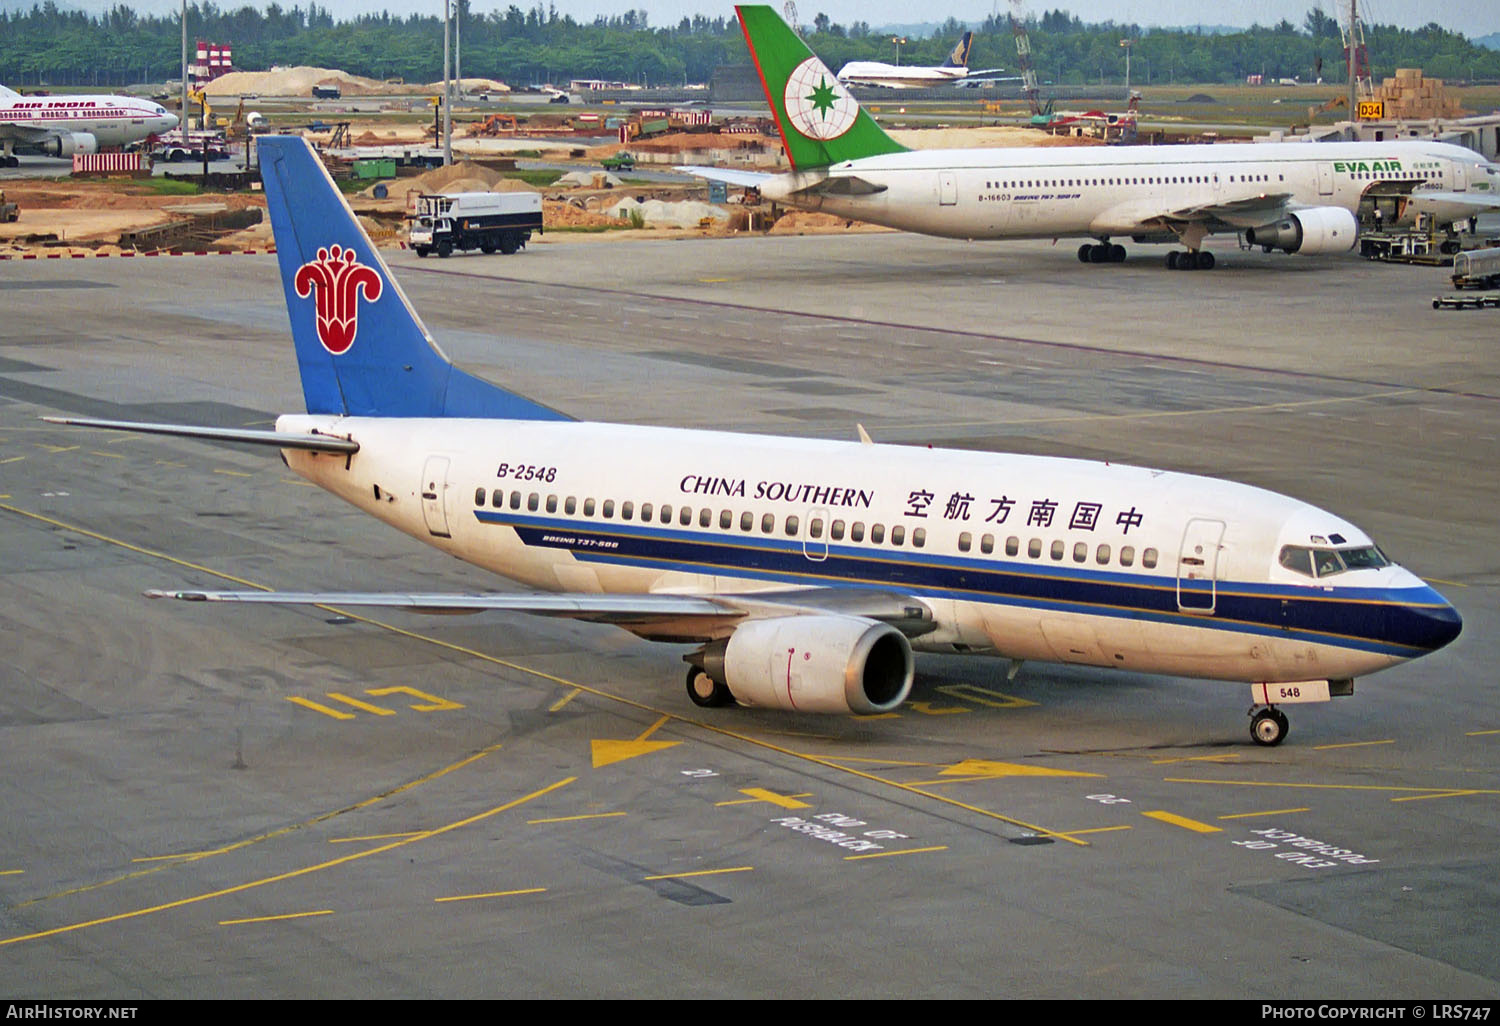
(1023, 58)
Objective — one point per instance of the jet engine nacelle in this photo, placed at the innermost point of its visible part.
(818, 664)
(69, 143)
(1315, 230)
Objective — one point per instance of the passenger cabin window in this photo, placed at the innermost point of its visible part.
(1148, 559)
(857, 531)
(571, 506)
(767, 523)
(609, 509)
(705, 517)
(551, 504)
(747, 520)
(588, 507)
(877, 533)
(1127, 555)
(792, 524)
(533, 501)
(479, 497)
(919, 537)
(987, 543)
(646, 508)
(898, 535)
(836, 530)
(726, 519)
(965, 541)
(627, 510)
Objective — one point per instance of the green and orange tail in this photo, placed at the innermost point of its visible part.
(820, 123)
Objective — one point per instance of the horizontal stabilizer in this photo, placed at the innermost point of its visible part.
(313, 443)
(749, 179)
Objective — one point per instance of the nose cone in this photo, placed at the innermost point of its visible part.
(168, 122)
(1433, 621)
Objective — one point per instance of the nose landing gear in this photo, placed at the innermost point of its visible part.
(1268, 725)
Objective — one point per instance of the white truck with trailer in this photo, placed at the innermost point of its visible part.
(485, 221)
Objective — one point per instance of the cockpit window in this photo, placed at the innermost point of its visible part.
(1322, 563)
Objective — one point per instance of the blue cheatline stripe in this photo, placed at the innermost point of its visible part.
(1384, 622)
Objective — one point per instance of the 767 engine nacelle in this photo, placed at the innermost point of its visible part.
(1314, 230)
(819, 664)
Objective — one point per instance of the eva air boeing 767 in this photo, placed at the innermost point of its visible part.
(1292, 196)
(803, 573)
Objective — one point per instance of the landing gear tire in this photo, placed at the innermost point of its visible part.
(1116, 253)
(1268, 727)
(706, 692)
(1084, 252)
(1103, 253)
(1172, 260)
(1205, 260)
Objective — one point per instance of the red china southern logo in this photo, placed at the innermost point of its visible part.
(337, 280)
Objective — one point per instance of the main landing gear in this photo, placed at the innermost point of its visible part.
(705, 691)
(1103, 253)
(1268, 725)
(1190, 260)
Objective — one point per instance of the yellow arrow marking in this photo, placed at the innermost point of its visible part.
(608, 752)
(985, 768)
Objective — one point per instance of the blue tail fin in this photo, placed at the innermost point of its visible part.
(361, 348)
(959, 58)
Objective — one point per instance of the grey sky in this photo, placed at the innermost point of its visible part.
(1472, 17)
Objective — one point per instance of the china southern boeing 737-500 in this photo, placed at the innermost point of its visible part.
(804, 572)
(1293, 196)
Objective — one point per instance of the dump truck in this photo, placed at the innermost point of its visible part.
(486, 221)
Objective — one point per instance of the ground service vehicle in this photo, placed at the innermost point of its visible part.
(621, 161)
(1477, 269)
(474, 220)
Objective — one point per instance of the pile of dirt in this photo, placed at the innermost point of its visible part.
(558, 214)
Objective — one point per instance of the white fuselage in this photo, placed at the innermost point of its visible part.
(895, 76)
(1136, 191)
(28, 121)
(1028, 557)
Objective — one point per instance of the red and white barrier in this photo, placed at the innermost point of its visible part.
(94, 163)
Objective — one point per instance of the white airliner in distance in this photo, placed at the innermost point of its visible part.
(954, 70)
(60, 126)
(1295, 197)
(805, 572)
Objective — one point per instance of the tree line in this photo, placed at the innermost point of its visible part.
(48, 45)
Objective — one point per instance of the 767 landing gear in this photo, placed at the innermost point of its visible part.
(1103, 253)
(1190, 260)
(705, 691)
(1268, 725)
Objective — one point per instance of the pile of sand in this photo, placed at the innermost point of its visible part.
(661, 214)
(587, 180)
(806, 222)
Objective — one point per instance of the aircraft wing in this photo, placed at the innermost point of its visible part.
(1144, 216)
(28, 134)
(691, 616)
(751, 179)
